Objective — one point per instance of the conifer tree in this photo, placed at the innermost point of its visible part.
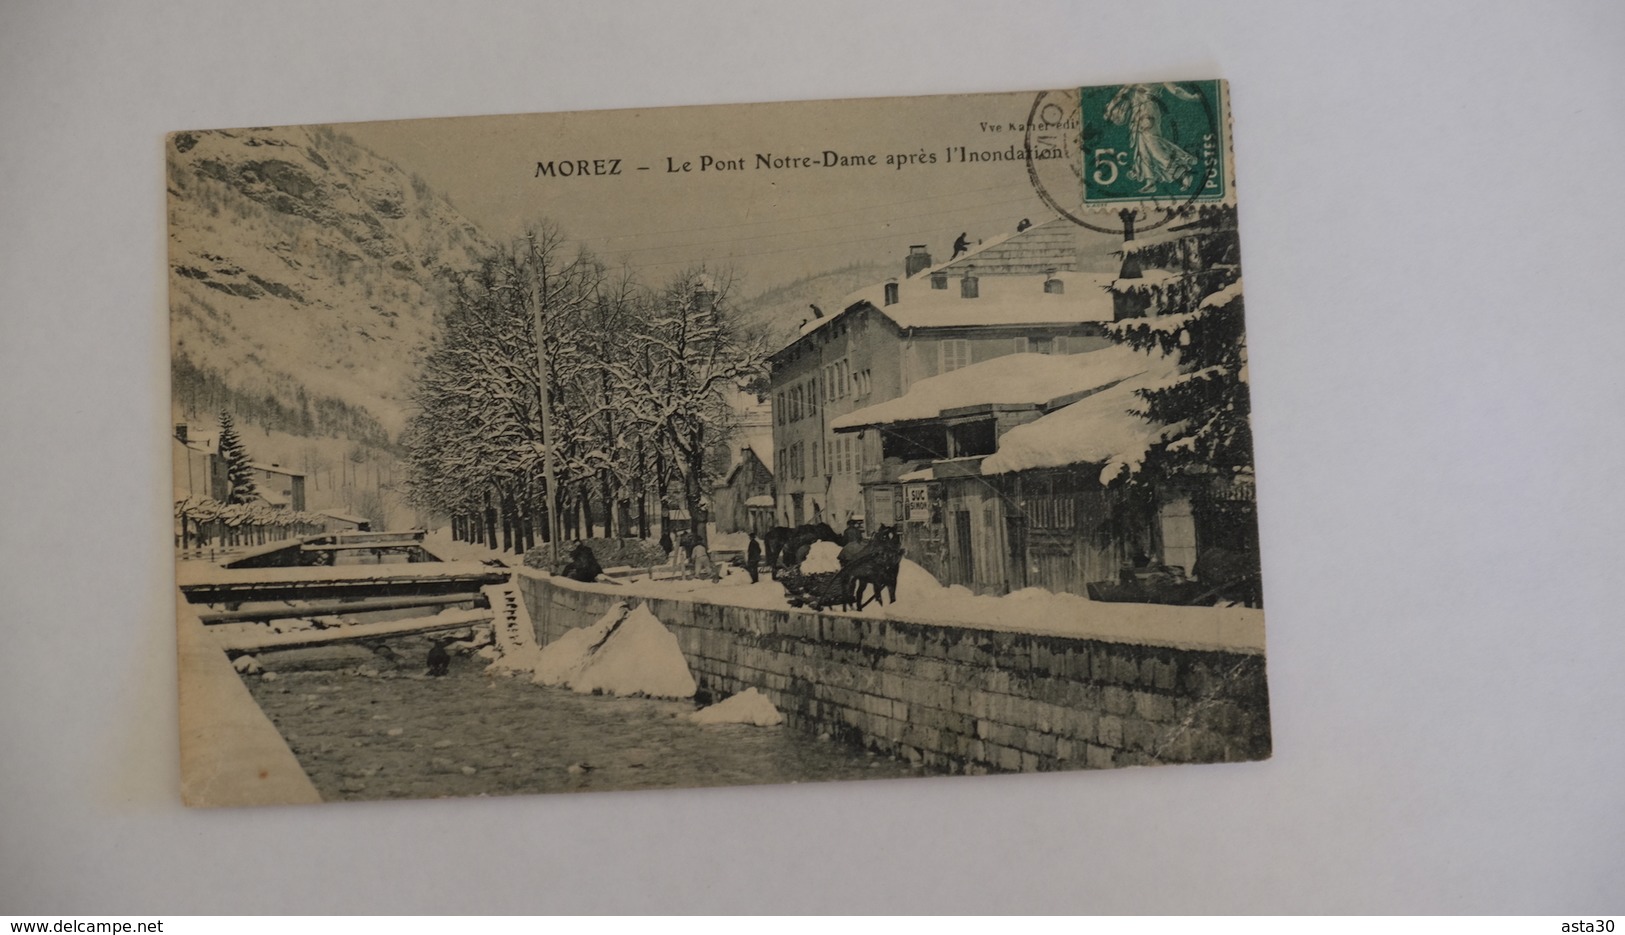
(1182, 295)
(240, 487)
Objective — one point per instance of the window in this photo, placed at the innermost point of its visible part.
(812, 397)
(1021, 345)
(778, 409)
(1060, 345)
(955, 353)
(815, 459)
(862, 382)
(1040, 345)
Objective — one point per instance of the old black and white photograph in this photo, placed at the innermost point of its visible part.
(713, 446)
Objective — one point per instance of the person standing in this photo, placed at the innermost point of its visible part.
(753, 557)
(685, 554)
(853, 532)
(703, 568)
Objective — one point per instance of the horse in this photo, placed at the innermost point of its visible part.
(873, 564)
(773, 547)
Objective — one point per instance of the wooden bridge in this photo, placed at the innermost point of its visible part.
(211, 584)
(324, 549)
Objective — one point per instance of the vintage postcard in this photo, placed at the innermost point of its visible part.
(713, 445)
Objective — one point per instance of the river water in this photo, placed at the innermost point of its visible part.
(399, 734)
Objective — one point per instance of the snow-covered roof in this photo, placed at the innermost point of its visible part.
(763, 500)
(1011, 380)
(908, 477)
(346, 517)
(1002, 299)
(1103, 428)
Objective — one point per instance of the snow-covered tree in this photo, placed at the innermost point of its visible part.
(1182, 295)
(696, 354)
(240, 486)
(637, 386)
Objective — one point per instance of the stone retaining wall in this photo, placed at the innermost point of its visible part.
(957, 698)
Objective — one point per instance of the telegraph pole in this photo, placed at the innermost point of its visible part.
(553, 525)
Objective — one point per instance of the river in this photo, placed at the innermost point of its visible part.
(399, 734)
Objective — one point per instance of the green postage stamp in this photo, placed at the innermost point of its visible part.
(1153, 141)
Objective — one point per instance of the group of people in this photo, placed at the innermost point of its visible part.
(689, 556)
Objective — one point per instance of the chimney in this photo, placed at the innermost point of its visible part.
(1052, 285)
(939, 279)
(916, 260)
(180, 432)
(891, 292)
(968, 284)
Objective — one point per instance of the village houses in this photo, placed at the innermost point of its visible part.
(980, 406)
(200, 472)
(1019, 293)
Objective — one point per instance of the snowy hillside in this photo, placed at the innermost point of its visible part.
(302, 277)
(780, 311)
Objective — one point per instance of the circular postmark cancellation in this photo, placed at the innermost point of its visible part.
(1131, 156)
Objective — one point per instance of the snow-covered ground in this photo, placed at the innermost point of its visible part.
(440, 544)
(923, 599)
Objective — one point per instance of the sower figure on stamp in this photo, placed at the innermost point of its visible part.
(1157, 159)
(961, 245)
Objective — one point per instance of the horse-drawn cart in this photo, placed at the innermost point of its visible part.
(816, 590)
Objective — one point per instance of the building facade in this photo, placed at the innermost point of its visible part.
(1017, 294)
(748, 482)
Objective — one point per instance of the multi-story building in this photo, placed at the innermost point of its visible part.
(1017, 294)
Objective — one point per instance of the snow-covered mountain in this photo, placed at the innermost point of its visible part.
(303, 275)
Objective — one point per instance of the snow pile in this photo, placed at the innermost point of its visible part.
(560, 661)
(822, 558)
(620, 654)
(921, 596)
(748, 707)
